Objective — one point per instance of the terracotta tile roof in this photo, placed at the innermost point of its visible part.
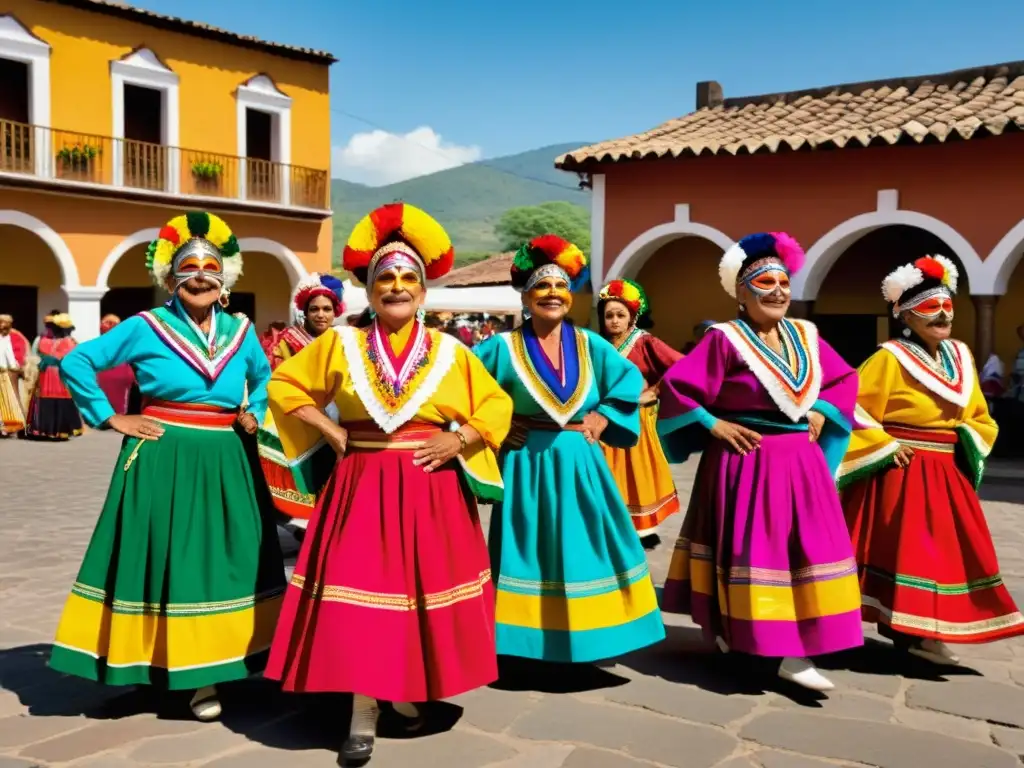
(491, 271)
(968, 103)
(125, 11)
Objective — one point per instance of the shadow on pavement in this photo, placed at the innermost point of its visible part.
(515, 674)
(255, 708)
(878, 657)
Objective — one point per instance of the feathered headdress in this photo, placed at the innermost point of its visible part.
(399, 222)
(627, 292)
(196, 225)
(924, 274)
(549, 250)
(318, 285)
(752, 248)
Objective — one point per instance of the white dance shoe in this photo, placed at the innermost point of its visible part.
(206, 704)
(805, 674)
(936, 652)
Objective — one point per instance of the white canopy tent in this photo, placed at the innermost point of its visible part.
(495, 300)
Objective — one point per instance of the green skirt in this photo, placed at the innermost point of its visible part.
(182, 582)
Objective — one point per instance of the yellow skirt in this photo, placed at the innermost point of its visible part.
(10, 405)
(643, 476)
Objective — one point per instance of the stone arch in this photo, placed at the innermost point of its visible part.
(119, 250)
(827, 250)
(60, 250)
(633, 257)
(1003, 260)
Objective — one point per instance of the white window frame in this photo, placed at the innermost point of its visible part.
(261, 94)
(143, 68)
(17, 43)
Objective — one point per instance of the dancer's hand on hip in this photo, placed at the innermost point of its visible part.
(248, 422)
(136, 426)
(815, 422)
(337, 438)
(903, 456)
(594, 425)
(742, 440)
(438, 450)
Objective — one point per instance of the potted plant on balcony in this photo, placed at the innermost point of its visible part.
(76, 159)
(207, 175)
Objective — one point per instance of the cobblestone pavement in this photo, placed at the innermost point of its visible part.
(673, 705)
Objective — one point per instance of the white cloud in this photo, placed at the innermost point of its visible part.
(377, 157)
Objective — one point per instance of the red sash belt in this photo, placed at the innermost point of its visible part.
(938, 440)
(197, 415)
(367, 436)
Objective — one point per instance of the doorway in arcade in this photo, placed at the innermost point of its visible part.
(849, 310)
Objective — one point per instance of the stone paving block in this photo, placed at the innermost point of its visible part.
(461, 748)
(207, 743)
(10, 705)
(583, 757)
(263, 757)
(106, 735)
(976, 699)
(546, 756)
(843, 704)
(16, 762)
(740, 761)
(769, 758)
(939, 722)
(876, 744)
(883, 685)
(682, 701)
(114, 761)
(21, 730)
(640, 734)
(1011, 739)
(493, 710)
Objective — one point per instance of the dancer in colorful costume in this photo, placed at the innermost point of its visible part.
(391, 598)
(51, 413)
(294, 485)
(763, 563)
(928, 570)
(182, 582)
(641, 472)
(118, 382)
(573, 583)
(14, 348)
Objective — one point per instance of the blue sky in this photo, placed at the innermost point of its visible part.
(463, 80)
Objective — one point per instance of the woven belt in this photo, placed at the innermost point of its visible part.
(194, 415)
(367, 436)
(544, 425)
(935, 440)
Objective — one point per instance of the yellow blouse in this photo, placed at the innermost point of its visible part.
(900, 386)
(451, 388)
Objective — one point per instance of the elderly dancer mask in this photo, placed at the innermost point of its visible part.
(197, 258)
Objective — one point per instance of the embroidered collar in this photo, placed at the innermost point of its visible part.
(392, 401)
(395, 371)
(792, 378)
(627, 346)
(207, 356)
(561, 381)
(296, 337)
(578, 368)
(951, 376)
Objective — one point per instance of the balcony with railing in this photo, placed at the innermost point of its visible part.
(68, 156)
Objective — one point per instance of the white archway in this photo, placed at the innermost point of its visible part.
(1003, 260)
(632, 258)
(283, 254)
(823, 255)
(119, 250)
(60, 250)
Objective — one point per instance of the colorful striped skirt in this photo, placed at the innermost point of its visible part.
(573, 582)
(643, 476)
(764, 558)
(182, 582)
(927, 564)
(11, 417)
(391, 595)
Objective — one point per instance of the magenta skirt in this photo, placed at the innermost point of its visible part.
(392, 595)
(764, 559)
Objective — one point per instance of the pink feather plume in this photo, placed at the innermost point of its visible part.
(789, 251)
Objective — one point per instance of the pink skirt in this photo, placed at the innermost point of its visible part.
(392, 595)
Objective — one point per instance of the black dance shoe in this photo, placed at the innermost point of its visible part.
(357, 750)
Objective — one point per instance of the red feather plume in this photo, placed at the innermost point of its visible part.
(930, 268)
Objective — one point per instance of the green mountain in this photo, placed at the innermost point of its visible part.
(467, 200)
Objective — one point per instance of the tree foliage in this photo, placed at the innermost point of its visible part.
(567, 220)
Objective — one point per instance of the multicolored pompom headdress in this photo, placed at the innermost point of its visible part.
(753, 248)
(64, 321)
(398, 233)
(318, 285)
(200, 236)
(628, 293)
(909, 285)
(548, 256)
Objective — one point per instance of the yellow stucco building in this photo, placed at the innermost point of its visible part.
(114, 119)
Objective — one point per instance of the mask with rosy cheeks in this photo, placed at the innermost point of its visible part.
(933, 307)
(550, 288)
(766, 280)
(393, 283)
(197, 258)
